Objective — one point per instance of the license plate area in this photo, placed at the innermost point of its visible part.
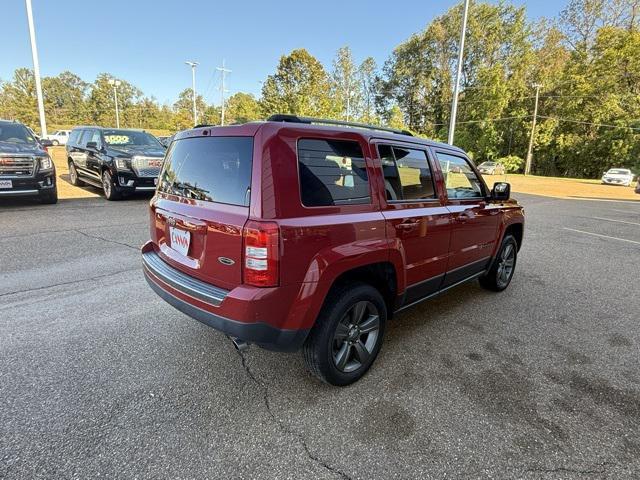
(6, 184)
(180, 240)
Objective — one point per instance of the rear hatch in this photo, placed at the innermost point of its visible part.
(202, 205)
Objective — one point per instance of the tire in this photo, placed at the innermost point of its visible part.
(338, 350)
(108, 187)
(501, 272)
(50, 197)
(74, 178)
(55, 143)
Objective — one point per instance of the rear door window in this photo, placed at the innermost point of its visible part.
(332, 172)
(214, 169)
(407, 174)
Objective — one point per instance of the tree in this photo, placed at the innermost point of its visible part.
(369, 85)
(101, 102)
(184, 106)
(346, 88)
(241, 108)
(64, 98)
(18, 99)
(300, 86)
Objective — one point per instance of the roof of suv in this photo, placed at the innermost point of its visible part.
(251, 128)
(107, 128)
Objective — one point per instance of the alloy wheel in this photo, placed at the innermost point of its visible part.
(356, 337)
(506, 264)
(106, 184)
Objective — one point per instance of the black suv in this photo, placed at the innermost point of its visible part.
(120, 161)
(25, 166)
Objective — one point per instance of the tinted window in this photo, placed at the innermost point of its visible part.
(332, 172)
(215, 169)
(15, 133)
(461, 181)
(93, 136)
(74, 137)
(407, 174)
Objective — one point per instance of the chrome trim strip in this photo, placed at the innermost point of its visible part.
(182, 282)
(18, 192)
(145, 189)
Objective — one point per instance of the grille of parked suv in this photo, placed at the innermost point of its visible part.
(146, 166)
(17, 166)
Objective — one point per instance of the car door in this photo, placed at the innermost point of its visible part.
(77, 152)
(93, 155)
(474, 220)
(415, 216)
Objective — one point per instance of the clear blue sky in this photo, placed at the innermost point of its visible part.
(146, 42)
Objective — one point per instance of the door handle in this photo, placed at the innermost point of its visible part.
(463, 217)
(407, 225)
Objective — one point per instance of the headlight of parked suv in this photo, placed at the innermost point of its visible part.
(45, 163)
(122, 164)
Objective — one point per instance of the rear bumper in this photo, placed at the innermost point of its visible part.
(187, 293)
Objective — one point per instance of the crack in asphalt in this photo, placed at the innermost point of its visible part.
(90, 279)
(591, 471)
(97, 237)
(66, 230)
(284, 428)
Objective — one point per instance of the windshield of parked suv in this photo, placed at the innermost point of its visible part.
(129, 138)
(619, 171)
(215, 169)
(15, 133)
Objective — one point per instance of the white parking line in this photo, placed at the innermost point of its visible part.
(618, 221)
(601, 236)
(625, 211)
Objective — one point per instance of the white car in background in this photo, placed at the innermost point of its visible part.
(618, 176)
(59, 137)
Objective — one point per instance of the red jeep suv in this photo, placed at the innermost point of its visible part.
(307, 233)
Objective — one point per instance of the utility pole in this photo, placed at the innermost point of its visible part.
(36, 69)
(193, 66)
(456, 88)
(527, 168)
(115, 84)
(223, 71)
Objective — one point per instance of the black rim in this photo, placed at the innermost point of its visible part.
(356, 337)
(506, 264)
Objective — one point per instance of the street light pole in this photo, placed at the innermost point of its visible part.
(193, 90)
(36, 69)
(527, 168)
(115, 84)
(223, 71)
(456, 88)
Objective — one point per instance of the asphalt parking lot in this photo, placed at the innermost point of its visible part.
(99, 377)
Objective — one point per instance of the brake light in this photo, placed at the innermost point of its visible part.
(261, 253)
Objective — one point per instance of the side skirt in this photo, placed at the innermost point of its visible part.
(448, 287)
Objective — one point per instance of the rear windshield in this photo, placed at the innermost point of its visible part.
(215, 169)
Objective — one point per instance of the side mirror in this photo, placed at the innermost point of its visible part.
(501, 191)
(92, 145)
(45, 142)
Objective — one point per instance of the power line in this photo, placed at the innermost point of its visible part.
(223, 72)
(589, 123)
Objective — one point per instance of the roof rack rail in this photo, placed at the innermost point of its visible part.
(325, 121)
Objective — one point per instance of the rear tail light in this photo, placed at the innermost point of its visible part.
(261, 253)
